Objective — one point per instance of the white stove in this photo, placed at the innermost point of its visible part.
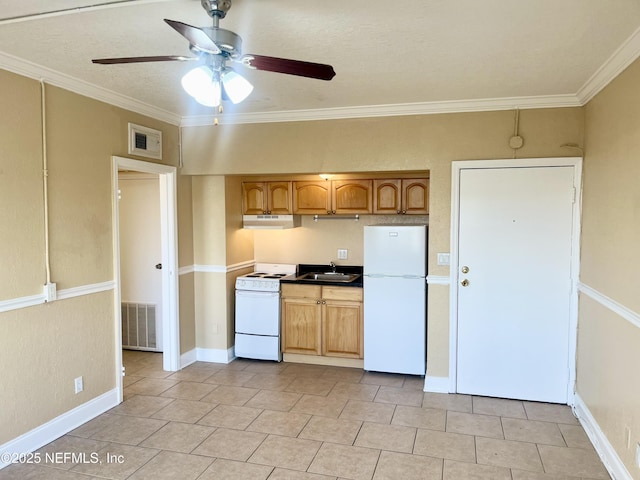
(258, 311)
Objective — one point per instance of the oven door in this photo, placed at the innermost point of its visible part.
(258, 313)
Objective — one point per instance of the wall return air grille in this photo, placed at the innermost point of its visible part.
(145, 142)
(139, 326)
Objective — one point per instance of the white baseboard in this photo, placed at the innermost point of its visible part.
(188, 358)
(60, 425)
(601, 443)
(215, 355)
(436, 384)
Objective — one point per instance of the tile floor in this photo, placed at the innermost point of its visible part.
(254, 420)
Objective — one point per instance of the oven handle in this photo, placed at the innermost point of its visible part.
(253, 293)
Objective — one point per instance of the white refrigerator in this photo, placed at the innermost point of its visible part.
(395, 298)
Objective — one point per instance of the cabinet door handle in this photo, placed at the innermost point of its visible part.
(318, 302)
(324, 303)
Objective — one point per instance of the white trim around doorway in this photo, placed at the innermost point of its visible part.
(457, 166)
(169, 247)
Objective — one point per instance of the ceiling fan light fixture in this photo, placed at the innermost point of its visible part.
(236, 86)
(203, 84)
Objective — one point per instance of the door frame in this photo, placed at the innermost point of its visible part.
(169, 253)
(457, 167)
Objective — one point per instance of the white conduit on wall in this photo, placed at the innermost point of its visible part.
(45, 182)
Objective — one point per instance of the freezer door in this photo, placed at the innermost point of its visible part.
(258, 313)
(395, 325)
(395, 249)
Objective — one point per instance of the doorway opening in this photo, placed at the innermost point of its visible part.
(170, 341)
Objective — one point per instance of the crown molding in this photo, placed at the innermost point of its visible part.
(624, 55)
(57, 79)
(423, 108)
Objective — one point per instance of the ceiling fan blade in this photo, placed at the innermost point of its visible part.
(196, 36)
(161, 58)
(290, 67)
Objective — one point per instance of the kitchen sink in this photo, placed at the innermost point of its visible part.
(330, 276)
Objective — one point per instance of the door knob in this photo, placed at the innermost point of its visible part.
(159, 266)
(465, 269)
(464, 283)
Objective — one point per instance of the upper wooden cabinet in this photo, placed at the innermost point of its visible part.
(272, 198)
(351, 196)
(401, 196)
(312, 198)
(380, 196)
(332, 197)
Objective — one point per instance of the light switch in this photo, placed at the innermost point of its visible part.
(342, 254)
(443, 258)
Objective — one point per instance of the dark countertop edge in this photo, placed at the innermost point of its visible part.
(305, 268)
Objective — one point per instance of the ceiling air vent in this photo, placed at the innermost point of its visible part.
(145, 142)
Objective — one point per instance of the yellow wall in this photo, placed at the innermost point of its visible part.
(219, 245)
(20, 188)
(410, 143)
(44, 347)
(239, 248)
(608, 343)
(185, 259)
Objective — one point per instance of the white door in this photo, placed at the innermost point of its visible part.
(514, 301)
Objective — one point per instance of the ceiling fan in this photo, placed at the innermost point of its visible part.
(213, 81)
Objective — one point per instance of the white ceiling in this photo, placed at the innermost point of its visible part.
(407, 56)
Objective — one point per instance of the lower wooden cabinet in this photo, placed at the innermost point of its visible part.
(301, 326)
(322, 320)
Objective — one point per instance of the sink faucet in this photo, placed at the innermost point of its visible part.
(333, 267)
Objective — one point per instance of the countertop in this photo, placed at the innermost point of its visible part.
(305, 268)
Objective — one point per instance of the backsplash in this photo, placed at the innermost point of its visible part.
(318, 242)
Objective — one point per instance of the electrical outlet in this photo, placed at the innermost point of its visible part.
(343, 254)
(79, 384)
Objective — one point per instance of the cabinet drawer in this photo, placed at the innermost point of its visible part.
(305, 291)
(342, 293)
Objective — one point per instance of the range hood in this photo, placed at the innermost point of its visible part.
(270, 222)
